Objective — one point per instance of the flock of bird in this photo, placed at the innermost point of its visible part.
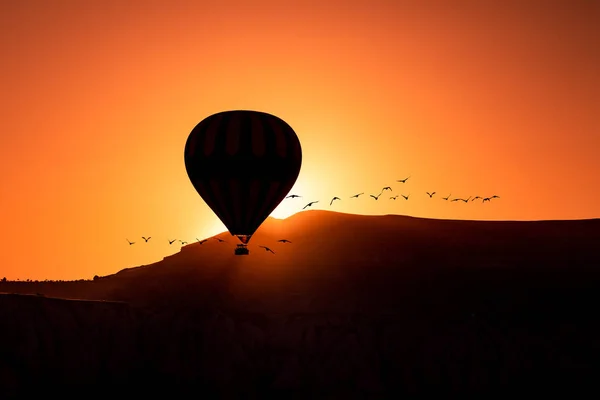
(183, 242)
(356, 196)
(406, 197)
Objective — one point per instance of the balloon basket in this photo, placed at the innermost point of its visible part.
(241, 250)
(244, 238)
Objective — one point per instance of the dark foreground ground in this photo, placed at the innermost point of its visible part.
(512, 312)
(494, 338)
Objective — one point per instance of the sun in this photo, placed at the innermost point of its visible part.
(285, 209)
(289, 207)
(214, 229)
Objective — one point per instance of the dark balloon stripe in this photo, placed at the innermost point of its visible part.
(208, 198)
(244, 201)
(202, 187)
(232, 145)
(195, 142)
(210, 136)
(225, 191)
(190, 146)
(246, 137)
(259, 147)
(219, 196)
(213, 201)
(223, 136)
(266, 206)
(254, 190)
(254, 218)
(280, 138)
(297, 150)
(269, 137)
(237, 199)
(293, 144)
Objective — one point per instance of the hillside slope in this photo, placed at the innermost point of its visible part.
(354, 307)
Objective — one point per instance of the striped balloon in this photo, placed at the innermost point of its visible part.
(243, 164)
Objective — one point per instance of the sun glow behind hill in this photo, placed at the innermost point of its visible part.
(285, 209)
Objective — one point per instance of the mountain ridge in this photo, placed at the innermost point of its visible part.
(375, 306)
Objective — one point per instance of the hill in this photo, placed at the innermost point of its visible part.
(362, 305)
(338, 262)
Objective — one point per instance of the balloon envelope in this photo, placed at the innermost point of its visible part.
(243, 164)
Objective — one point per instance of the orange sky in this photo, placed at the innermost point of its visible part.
(469, 98)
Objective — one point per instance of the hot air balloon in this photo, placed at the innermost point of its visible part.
(242, 164)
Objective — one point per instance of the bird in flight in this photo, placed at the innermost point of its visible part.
(284, 241)
(130, 243)
(292, 196)
(386, 188)
(172, 241)
(466, 200)
(376, 197)
(394, 197)
(146, 239)
(183, 242)
(356, 195)
(310, 204)
(335, 198)
(475, 198)
(405, 197)
(201, 241)
(267, 249)
(490, 198)
(403, 180)
(456, 199)
(430, 194)
(220, 240)
(446, 198)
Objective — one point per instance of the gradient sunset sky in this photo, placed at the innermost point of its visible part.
(467, 97)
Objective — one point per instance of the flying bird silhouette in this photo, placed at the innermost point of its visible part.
(183, 243)
(376, 197)
(130, 243)
(284, 241)
(356, 195)
(403, 180)
(466, 200)
(220, 240)
(172, 241)
(335, 198)
(430, 194)
(267, 249)
(475, 198)
(490, 198)
(405, 197)
(394, 197)
(146, 239)
(292, 196)
(201, 241)
(456, 199)
(310, 204)
(446, 198)
(386, 188)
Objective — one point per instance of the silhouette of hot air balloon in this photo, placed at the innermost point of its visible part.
(243, 164)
